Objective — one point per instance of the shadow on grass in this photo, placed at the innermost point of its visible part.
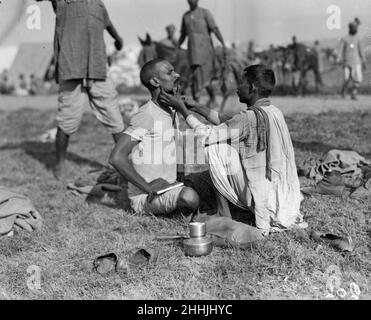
(112, 200)
(44, 153)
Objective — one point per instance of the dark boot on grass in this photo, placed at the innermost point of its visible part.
(331, 184)
(338, 242)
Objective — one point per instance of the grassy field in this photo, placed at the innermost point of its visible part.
(284, 266)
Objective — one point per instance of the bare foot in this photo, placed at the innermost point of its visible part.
(59, 171)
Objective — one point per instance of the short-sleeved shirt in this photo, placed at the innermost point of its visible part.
(351, 50)
(155, 155)
(80, 51)
(197, 25)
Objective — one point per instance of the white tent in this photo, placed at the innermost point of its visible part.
(125, 69)
(32, 58)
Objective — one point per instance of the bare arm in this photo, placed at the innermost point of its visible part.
(210, 134)
(213, 116)
(113, 32)
(219, 36)
(119, 159)
(182, 34)
(181, 40)
(119, 42)
(213, 27)
(205, 112)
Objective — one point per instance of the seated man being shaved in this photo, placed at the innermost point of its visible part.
(146, 153)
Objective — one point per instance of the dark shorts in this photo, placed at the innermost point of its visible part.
(203, 185)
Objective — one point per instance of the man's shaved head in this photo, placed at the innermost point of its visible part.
(159, 74)
(261, 77)
(149, 71)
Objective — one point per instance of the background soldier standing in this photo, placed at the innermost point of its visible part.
(198, 24)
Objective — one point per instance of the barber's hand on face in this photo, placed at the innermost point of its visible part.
(119, 44)
(189, 102)
(170, 100)
(157, 185)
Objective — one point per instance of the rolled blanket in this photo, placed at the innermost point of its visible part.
(227, 232)
(331, 184)
(17, 210)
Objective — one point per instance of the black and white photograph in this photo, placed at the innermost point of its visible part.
(185, 155)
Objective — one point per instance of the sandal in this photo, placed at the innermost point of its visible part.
(340, 243)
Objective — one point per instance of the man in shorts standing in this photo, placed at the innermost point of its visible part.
(81, 70)
(198, 24)
(352, 59)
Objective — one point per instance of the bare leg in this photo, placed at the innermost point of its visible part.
(318, 80)
(344, 88)
(303, 82)
(354, 91)
(347, 79)
(294, 84)
(61, 145)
